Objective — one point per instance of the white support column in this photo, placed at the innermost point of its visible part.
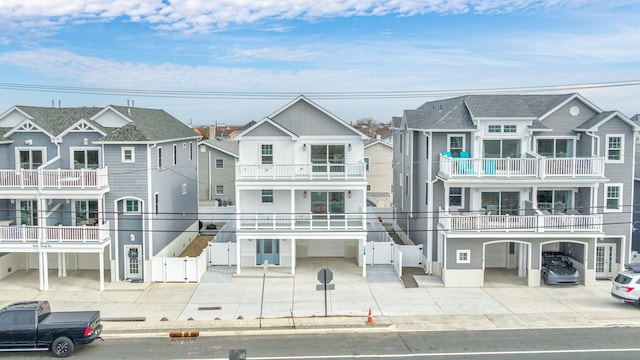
(45, 265)
(60, 265)
(238, 268)
(101, 261)
(293, 256)
(364, 257)
(41, 271)
(522, 260)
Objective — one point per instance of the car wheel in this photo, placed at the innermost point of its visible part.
(637, 302)
(545, 279)
(62, 347)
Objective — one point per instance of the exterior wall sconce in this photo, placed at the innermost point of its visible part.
(304, 147)
(304, 194)
(28, 141)
(85, 141)
(349, 194)
(349, 147)
(132, 237)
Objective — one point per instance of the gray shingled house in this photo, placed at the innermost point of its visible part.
(81, 185)
(489, 182)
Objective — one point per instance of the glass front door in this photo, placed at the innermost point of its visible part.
(327, 158)
(268, 250)
(132, 266)
(605, 260)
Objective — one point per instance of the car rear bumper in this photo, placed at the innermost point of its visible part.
(624, 299)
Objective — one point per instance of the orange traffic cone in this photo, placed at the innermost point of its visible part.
(370, 318)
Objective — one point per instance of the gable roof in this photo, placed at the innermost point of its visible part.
(229, 147)
(144, 125)
(461, 113)
(294, 117)
(372, 141)
(594, 122)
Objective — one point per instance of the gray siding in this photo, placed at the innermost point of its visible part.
(297, 119)
(209, 176)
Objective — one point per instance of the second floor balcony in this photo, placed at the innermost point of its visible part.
(301, 172)
(301, 222)
(537, 223)
(531, 167)
(64, 179)
(70, 237)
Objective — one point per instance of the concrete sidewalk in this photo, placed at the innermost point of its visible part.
(226, 304)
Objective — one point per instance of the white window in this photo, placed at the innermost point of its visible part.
(85, 158)
(267, 196)
(30, 158)
(219, 189)
(463, 256)
(128, 154)
(160, 158)
(455, 144)
(495, 128)
(615, 146)
(175, 154)
(455, 197)
(219, 163)
(267, 154)
(509, 129)
(366, 163)
(184, 189)
(131, 206)
(613, 194)
(156, 203)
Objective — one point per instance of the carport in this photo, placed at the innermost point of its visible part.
(576, 250)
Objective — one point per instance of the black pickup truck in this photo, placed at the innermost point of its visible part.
(31, 326)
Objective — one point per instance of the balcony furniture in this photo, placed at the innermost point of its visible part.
(6, 222)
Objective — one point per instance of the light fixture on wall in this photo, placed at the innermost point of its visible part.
(85, 141)
(28, 141)
(132, 237)
(304, 147)
(349, 147)
(304, 194)
(349, 194)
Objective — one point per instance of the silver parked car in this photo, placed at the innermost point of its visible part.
(626, 285)
(558, 269)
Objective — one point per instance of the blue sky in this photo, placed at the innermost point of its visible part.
(232, 61)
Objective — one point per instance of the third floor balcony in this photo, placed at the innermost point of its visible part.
(524, 168)
(12, 180)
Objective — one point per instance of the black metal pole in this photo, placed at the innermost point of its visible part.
(325, 292)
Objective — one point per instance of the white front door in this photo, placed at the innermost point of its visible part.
(133, 262)
(605, 260)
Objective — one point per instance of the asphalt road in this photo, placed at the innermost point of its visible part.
(591, 343)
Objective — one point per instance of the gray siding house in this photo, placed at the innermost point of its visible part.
(81, 185)
(489, 182)
(217, 172)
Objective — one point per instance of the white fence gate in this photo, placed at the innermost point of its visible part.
(178, 269)
(222, 253)
(411, 255)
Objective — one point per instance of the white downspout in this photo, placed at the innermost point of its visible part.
(150, 211)
(430, 209)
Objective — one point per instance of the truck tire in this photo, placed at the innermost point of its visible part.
(62, 346)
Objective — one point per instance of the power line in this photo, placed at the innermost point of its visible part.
(334, 95)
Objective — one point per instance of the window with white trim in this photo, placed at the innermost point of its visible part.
(613, 197)
(160, 158)
(267, 196)
(455, 144)
(128, 154)
(266, 152)
(190, 151)
(219, 189)
(455, 197)
(219, 163)
(509, 129)
(495, 129)
(156, 203)
(366, 163)
(615, 146)
(131, 206)
(175, 154)
(30, 158)
(463, 256)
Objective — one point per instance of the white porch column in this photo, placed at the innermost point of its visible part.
(238, 256)
(45, 266)
(40, 271)
(364, 257)
(101, 262)
(522, 260)
(60, 266)
(293, 256)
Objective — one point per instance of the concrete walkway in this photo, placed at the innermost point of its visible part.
(227, 303)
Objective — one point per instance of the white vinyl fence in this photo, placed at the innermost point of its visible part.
(178, 269)
(222, 253)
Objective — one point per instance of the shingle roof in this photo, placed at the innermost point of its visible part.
(458, 113)
(595, 120)
(146, 125)
(229, 146)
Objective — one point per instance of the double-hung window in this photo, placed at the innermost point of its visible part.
(615, 146)
(613, 194)
(267, 154)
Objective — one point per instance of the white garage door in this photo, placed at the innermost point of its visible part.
(326, 248)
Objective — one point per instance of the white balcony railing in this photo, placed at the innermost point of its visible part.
(65, 235)
(527, 223)
(54, 179)
(301, 172)
(522, 167)
(284, 222)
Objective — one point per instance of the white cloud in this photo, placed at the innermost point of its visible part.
(202, 16)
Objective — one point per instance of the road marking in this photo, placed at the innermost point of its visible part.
(408, 356)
